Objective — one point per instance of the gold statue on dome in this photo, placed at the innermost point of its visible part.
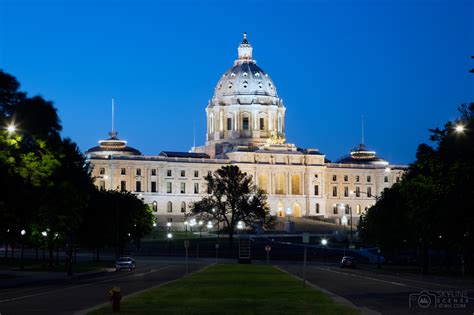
(275, 139)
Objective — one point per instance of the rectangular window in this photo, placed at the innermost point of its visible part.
(316, 190)
(169, 207)
(196, 188)
(317, 208)
(262, 124)
(123, 171)
(168, 173)
(153, 186)
(183, 207)
(196, 173)
(369, 191)
(102, 185)
(154, 206)
(357, 178)
(346, 178)
(169, 188)
(369, 179)
(229, 123)
(357, 191)
(170, 220)
(334, 209)
(385, 179)
(101, 171)
(138, 186)
(334, 178)
(334, 191)
(183, 188)
(123, 185)
(183, 173)
(139, 172)
(346, 191)
(347, 210)
(153, 172)
(245, 123)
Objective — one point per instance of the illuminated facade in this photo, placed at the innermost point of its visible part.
(246, 127)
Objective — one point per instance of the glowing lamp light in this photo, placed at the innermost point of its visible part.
(154, 224)
(169, 235)
(23, 232)
(11, 128)
(44, 233)
(168, 224)
(240, 225)
(324, 242)
(459, 128)
(201, 222)
(209, 225)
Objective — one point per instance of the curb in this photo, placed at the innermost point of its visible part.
(96, 307)
(336, 298)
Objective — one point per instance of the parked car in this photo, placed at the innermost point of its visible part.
(348, 261)
(125, 263)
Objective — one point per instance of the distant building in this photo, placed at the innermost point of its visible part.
(246, 127)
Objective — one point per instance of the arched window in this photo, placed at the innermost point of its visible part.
(245, 123)
(262, 182)
(169, 206)
(183, 206)
(280, 184)
(295, 184)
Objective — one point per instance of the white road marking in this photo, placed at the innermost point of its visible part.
(370, 278)
(81, 285)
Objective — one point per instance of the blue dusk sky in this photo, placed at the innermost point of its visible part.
(402, 64)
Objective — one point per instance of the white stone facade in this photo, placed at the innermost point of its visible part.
(245, 127)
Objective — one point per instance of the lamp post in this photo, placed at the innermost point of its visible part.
(288, 214)
(217, 218)
(22, 233)
(200, 228)
(324, 242)
(186, 228)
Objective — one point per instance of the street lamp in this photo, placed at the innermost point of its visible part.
(288, 213)
(240, 225)
(186, 228)
(169, 235)
(324, 242)
(459, 128)
(200, 228)
(23, 232)
(11, 128)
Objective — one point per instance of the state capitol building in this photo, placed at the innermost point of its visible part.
(246, 127)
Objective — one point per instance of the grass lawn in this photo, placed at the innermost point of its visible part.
(232, 289)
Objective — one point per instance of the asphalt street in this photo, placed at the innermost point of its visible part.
(385, 292)
(67, 297)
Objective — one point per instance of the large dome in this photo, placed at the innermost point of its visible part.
(245, 82)
(245, 78)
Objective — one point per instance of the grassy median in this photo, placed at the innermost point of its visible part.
(232, 289)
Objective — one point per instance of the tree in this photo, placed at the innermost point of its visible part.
(431, 208)
(233, 198)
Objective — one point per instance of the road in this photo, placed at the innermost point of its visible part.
(384, 292)
(67, 297)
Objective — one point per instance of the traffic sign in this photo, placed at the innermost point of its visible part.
(268, 248)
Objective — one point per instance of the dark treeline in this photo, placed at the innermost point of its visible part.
(47, 196)
(431, 211)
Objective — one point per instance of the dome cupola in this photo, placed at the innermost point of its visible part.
(245, 109)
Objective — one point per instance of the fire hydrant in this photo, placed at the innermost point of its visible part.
(115, 297)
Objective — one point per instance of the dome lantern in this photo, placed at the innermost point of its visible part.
(245, 50)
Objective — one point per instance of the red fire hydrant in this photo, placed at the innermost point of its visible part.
(115, 297)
